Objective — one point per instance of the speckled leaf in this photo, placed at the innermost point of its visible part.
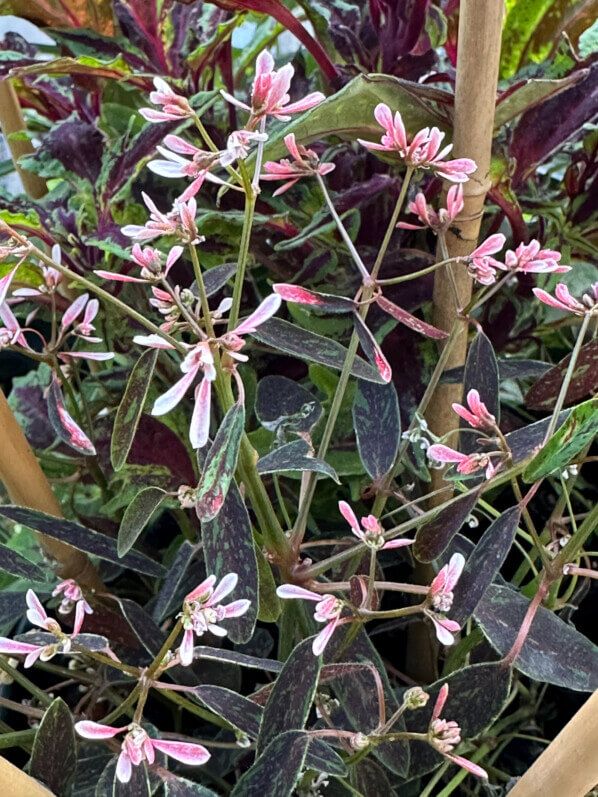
(507, 369)
(64, 426)
(11, 609)
(130, 408)
(217, 277)
(311, 347)
(234, 657)
(584, 380)
(356, 691)
(433, 538)
(137, 516)
(321, 757)
(147, 632)
(476, 697)
(481, 374)
(241, 712)
(369, 779)
(220, 464)
(411, 321)
(293, 456)
(523, 442)
(54, 753)
(377, 426)
(282, 405)
(483, 564)
(292, 695)
(327, 302)
(228, 546)
(270, 605)
(181, 787)
(371, 348)
(15, 564)
(172, 582)
(276, 771)
(576, 433)
(554, 651)
(82, 538)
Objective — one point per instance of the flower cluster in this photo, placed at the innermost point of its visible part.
(563, 300)
(445, 735)
(328, 610)
(439, 222)
(305, 163)
(370, 531)
(440, 599)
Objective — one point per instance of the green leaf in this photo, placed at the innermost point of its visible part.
(229, 548)
(377, 426)
(137, 516)
(530, 93)
(522, 20)
(269, 603)
(82, 538)
(576, 433)
(291, 698)
(130, 408)
(220, 464)
(54, 754)
(294, 456)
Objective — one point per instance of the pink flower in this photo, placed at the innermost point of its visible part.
(237, 145)
(51, 276)
(477, 415)
(328, 610)
(305, 163)
(174, 107)
(423, 152)
(445, 735)
(202, 611)
(150, 261)
(36, 614)
(180, 221)
(563, 300)
(85, 327)
(269, 94)
(481, 266)
(530, 259)
(73, 596)
(370, 532)
(437, 222)
(137, 746)
(445, 628)
(441, 588)
(198, 168)
(468, 463)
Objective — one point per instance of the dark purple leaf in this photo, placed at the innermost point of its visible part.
(130, 408)
(554, 652)
(136, 517)
(433, 538)
(27, 400)
(85, 41)
(356, 691)
(476, 697)
(369, 779)
(523, 442)
(293, 456)
(507, 369)
(483, 564)
(173, 581)
(11, 609)
(147, 632)
(326, 302)
(403, 317)
(78, 146)
(584, 380)
(220, 464)
(308, 346)
(229, 548)
(82, 538)
(181, 787)
(544, 128)
(239, 711)
(109, 786)
(481, 374)
(234, 657)
(321, 757)
(377, 426)
(54, 754)
(64, 426)
(217, 277)
(17, 565)
(277, 769)
(291, 697)
(283, 405)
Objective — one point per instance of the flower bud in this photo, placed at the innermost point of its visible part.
(415, 698)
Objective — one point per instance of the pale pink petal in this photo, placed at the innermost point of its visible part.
(226, 586)
(468, 765)
(264, 64)
(490, 246)
(199, 429)
(445, 630)
(234, 101)
(445, 454)
(201, 589)
(172, 397)
(545, 297)
(109, 275)
(440, 701)
(79, 617)
(237, 608)
(383, 116)
(292, 591)
(152, 115)
(5, 284)
(291, 145)
(166, 168)
(123, 768)
(265, 311)
(349, 515)
(36, 613)
(154, 341)
(399, 543)
(33, 657)
(173, 256)
(315, 98)
(93, 730)
(88, 355)
(10, 647)
(186, 648)
(323, 637)
(455, 568)
(72, 312)
(190, 754)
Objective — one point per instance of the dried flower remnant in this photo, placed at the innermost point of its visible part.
(269, 93)
(423, 151)
(439, 222)
(72, 596)
(138, 746)
(370, 531)
(305, 163)
(563, 300)
(328, 610)
(445, 735)
(203, 611)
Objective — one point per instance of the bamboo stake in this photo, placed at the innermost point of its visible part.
(480, 29)
(27, 485)
(15, 782)
(569, 765)
(12, 121)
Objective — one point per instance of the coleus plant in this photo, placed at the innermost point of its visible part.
(327, 715)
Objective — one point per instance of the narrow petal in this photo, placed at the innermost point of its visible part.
(172, 397)
(10, 647)
(72, 312)
(190, 754)
(292, 591)
(123, 768)
(468, 765)
(186, 648)
(440, 701)
(226, 586)
(265, 311)
(154, 341)
(399, 543)
(323, 637)
(36, 613)
(199, 430)
(93, 730)
(5, 284)
(109, 275)
(79, 617)
(490, 246)
(201, 589)
(545, 297)
(237, 608)
(349, 515)
(445, 454)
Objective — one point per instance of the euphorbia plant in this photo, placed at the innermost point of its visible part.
(143, 649)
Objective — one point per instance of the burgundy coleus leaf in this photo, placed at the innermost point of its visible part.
(371, 348)
(64, 426)
(543, 394)
(321, 301)
(409, 320)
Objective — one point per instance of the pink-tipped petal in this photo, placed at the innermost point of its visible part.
(468, 765)
(440, 701)
(201, 589)
(193, 755)
(349, 515)
(490, 246)
(172, 397)
(186, 648)
(79, 617)
(199, 429)
(224, 588)
(323, 637)
(292, 591)
(10, 647)
(445, 454)
(36, 614)
(72, 312)
(265, 311)
(95, 731)
(237, 608)
(400, 543)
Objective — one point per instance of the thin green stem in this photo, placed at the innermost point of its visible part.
(18, 677)
(203, 296)
(341, 228)
(17, 739)
(371, 579)
(393, 221)
(415, 274)
(250, 200)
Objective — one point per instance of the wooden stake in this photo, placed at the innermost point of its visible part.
(12, 121)
(15, 782)
(569, 765)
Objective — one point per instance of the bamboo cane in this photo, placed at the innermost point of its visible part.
(569, 765)
(12, 121)
(15, 782)
(480, 29)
